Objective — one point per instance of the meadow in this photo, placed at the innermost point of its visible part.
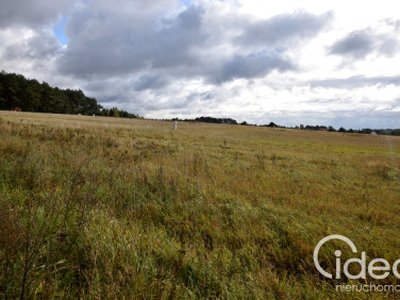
(110, 208)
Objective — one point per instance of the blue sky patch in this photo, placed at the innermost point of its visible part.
(186, 2)
(59, 31)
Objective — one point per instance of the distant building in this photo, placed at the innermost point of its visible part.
(373, 133)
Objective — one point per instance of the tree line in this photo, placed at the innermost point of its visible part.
(301, 127)
(20, 93)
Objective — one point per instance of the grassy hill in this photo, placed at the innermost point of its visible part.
(106, 208)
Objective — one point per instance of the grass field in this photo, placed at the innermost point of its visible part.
(107, 208)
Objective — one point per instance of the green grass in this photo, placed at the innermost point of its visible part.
(107, 208)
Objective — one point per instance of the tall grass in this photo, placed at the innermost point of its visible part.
(103, 208)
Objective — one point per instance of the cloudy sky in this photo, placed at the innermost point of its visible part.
(284, 61)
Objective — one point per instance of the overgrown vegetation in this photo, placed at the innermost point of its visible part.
(105, 208)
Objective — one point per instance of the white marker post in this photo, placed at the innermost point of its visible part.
(175, 125)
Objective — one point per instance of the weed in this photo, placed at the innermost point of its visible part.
(112, 208)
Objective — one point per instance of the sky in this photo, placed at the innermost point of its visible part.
(333, 63)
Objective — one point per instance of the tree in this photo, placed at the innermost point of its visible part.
(3, 102)
(30, 95)
(114, 112)
(50, 101)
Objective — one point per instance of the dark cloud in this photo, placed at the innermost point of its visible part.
(144, 7)
(30, 13)
(253, 66)
(177, 44)
(209, 97)
(358, 44)
(356, 82)
(280, 29)
(153, 82)
(123, 42)
(108, 44)
(190, 19)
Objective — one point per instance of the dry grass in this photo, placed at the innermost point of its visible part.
(98, 208)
